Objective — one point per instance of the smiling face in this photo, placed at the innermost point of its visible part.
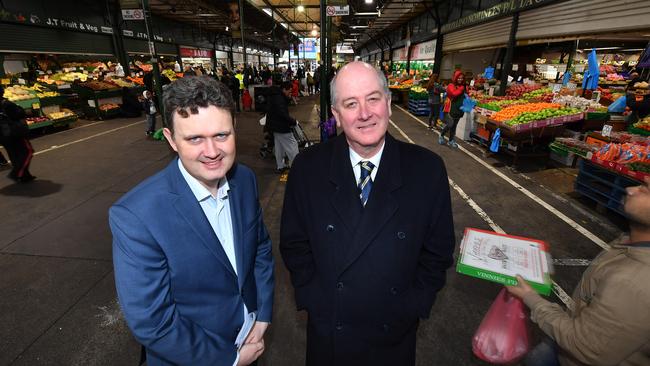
(205, 143)
(362, 108)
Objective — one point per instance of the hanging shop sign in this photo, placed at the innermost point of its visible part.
(400, 54)
(424, 51)
(195, 52)
(335, 11)
(498, 11)
(132, 14)
(107, 30)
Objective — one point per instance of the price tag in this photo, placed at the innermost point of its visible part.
(21, 81)
(40, 72)
(607, 130)
(6, 81)
(557, 88)
(36, 106)
(491, 91)
(471, 83)
(91, 103)
(510, 79)
(529, 67)
(571, 86)
(49, 72)
(486, 86)
(515, 67)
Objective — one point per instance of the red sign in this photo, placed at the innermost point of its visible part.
(196, 52)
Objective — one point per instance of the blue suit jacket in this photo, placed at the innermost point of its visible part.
(177, 289)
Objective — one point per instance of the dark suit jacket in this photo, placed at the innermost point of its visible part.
(365, 275)
(177, 289)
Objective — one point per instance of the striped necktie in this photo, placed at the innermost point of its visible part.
(365, 183)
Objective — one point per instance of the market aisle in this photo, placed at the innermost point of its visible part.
(58, 292)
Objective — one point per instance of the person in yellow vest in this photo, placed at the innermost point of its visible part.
(239, 77)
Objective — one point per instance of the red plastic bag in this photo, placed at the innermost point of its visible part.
(503, 337)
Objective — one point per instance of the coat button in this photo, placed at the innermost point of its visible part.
(330, 228)
(339, 286)
(339, 326)
(386, 327)
(393, 290)
(401, 235)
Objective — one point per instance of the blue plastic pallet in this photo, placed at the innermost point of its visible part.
(603, 186)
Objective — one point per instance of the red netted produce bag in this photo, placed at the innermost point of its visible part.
(502, 337)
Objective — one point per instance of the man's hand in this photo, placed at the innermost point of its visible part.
(522, 289)
(250, 352)
(257, 333)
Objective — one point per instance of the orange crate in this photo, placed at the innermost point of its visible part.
(483, 132)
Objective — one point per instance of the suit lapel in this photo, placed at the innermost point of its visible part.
(381, 205)
(342, 176)
(190, 210)
(236, 198)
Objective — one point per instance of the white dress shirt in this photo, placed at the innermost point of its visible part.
(217, 211)
(356, 159)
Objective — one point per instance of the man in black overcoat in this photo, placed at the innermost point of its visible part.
(367, 231)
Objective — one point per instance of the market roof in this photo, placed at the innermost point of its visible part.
(292, 20)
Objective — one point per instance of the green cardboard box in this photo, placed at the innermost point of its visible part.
(499, 258)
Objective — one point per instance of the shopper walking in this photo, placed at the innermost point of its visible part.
(150, 111)
(435, 89)
(455, 97)
(14, 137)
(310, 83)
(279, 122)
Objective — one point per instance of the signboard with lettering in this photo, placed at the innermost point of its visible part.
(132, 14)
(498, 11)
(424, 51)
(195, 52)
(335, 11)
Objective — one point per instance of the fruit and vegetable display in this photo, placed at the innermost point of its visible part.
(641, 85)
(626, 153)
(527, 117)
(642, 167)
(32, 120)
(643, 124)
(577, 102)
(539, 94)
(497, 105)
(170, 74)
(519, 90)
(19, 92)
(122, 83)
(98, 85)
(108, 107)
(418, 93)
(135, 80)
(513, 111)
(577, 146)
(64, 113)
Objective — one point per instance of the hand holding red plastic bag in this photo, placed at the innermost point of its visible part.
(503, 337)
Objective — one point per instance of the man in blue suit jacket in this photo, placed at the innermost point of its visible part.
(191, 253)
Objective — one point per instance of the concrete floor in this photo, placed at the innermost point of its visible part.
(57, 298)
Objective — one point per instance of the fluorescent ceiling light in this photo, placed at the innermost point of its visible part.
(359, 26)
(268, 11)
(368, 1)
(206, 15)
(284, 25)
(368, 13)
(314, 32)
(632, 50)
(300, 8)
(602, 48)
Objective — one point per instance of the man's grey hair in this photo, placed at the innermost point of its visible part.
(383, 83)
(186, 95)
